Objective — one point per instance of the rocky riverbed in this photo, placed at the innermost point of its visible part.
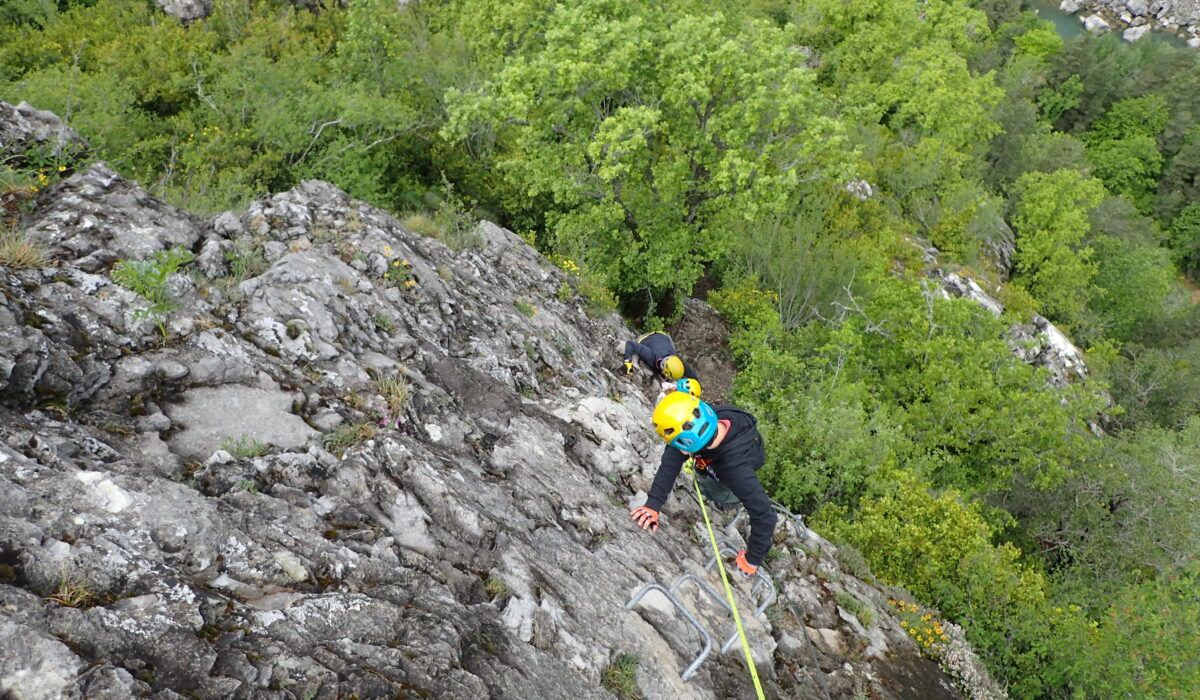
(1136, 18)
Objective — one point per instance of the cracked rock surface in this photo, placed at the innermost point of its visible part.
(358, 464)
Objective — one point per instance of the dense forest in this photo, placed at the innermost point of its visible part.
(802, 159)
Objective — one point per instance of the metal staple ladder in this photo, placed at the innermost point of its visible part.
(763, 586)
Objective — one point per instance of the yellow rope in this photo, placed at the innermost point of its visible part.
(712, 538)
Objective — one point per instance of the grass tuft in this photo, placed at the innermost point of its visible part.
(495, 587)
(73, 594)
(620, 677)
(855, 607)
(18, 251)
(348, 435)
(245, 447)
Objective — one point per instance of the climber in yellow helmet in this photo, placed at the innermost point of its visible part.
(727, 450)
(657, 351)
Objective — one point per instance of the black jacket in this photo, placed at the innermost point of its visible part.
(651, 349)
(733, 463)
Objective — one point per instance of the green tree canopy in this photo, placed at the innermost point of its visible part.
(654, 137)
(1051, 221)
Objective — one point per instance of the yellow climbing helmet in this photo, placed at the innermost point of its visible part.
(684, 421)
(672, 367)
(688, 386)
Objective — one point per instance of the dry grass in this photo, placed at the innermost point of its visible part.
(422, 225)
(73, 594)
(18, 251)
(394, 391)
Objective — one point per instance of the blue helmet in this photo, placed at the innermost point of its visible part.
(685, 422)
(688, 386)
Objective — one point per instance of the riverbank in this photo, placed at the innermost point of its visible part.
(1178, 21)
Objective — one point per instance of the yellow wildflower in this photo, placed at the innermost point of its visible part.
(61, 168)
(387, 250)
(410, 283)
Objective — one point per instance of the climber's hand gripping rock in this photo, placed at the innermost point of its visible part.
(646, 518)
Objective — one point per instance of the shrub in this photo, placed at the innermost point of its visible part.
(149, 279)
(1019, 304)
(1145, 644)
(940, 549)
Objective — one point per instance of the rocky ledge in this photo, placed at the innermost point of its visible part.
(352, 461)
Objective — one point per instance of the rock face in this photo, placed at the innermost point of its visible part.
(23, 128)
(186, 10)
(1038, 342)
(367, 465)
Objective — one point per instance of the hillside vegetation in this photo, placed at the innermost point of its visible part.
(802, 157)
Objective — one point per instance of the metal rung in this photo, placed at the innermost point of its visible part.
(782, 510)
(690, 670)
(762, 582)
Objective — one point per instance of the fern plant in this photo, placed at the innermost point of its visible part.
(149, 280)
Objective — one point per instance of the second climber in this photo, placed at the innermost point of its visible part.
(657, 352)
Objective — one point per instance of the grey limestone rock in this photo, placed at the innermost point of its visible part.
(186, 10)
(431, 498)
(22, 128)
(1134, 33)
(96, 217)
(1038, 342)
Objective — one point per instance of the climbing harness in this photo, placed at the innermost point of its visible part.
(737, 619)
(763, 588)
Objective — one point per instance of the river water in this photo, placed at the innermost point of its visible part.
(1071, 26)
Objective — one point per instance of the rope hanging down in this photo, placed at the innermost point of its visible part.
(737, 619)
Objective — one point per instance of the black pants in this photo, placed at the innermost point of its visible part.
(716, 493)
